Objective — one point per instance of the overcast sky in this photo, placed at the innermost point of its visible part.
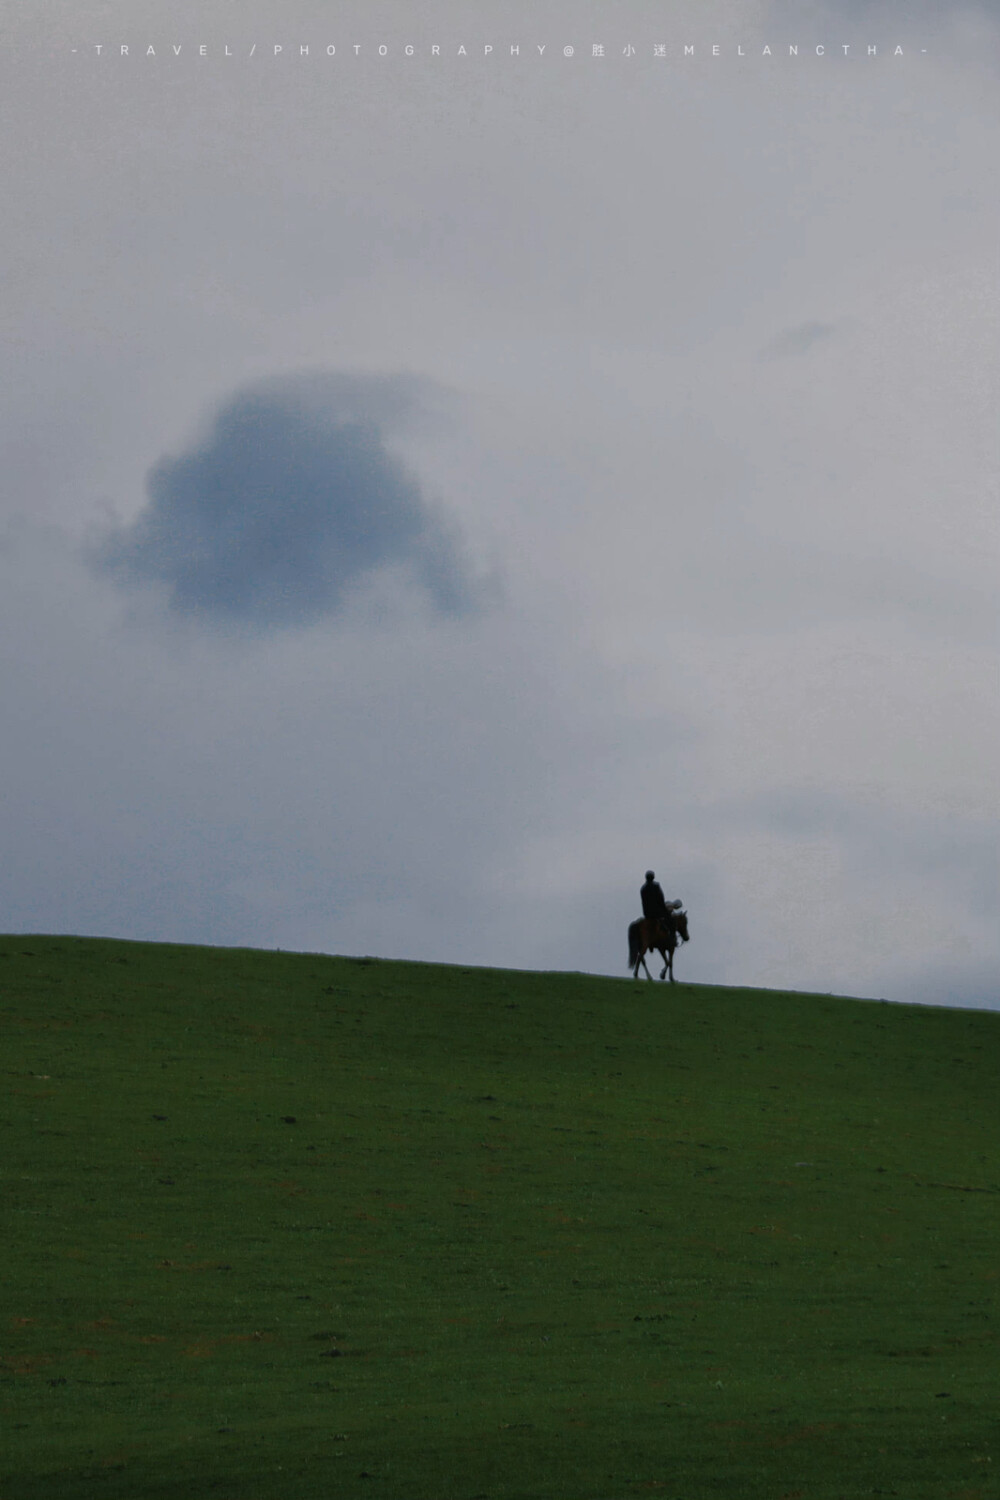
(438, 488)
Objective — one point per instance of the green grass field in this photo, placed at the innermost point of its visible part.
(283, 1225)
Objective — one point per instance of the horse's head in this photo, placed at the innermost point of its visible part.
(681, 925)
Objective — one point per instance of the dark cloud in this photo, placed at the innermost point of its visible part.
(796, 340)
(291, 499)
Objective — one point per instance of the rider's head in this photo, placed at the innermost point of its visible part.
(649, 875)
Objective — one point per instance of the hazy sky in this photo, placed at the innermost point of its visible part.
(438, 488)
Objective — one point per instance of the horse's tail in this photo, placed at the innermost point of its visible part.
(633, 945)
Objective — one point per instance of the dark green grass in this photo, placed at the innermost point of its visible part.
(283, 1225)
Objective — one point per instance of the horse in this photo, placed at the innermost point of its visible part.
(659, 934)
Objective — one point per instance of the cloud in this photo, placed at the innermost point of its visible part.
(895, 12)
(902, 899)
(292, 499)
(797, 340)
(747, 634)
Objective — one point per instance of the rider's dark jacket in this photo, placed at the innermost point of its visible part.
(654, 903)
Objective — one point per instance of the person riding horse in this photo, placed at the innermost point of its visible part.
(662, 923)
(655, 906)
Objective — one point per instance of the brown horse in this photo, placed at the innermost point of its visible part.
(656, 934)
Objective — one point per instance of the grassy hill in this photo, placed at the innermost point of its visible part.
(283, 1225)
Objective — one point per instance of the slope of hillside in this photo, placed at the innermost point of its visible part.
(290, 1225)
